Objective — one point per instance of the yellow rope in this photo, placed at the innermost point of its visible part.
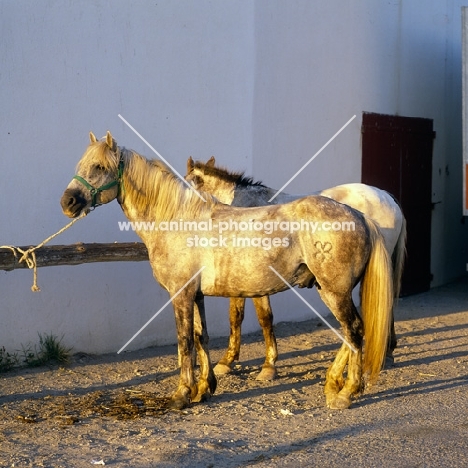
(29, 256)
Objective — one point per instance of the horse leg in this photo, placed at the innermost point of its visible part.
(207, 380)
(194, 357)
(184, 316)
(334, 381)
(338, 391)
(265, 319)
(392, 344)
(398, 259)
(354, 382)
(236, 316)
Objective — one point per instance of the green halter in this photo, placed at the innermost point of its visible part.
(95, 191)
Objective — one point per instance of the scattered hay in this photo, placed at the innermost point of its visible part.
(72, 409)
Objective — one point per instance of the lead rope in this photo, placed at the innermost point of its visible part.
(29, 256)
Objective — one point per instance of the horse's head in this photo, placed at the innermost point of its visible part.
(197, 173)
(211, 179)
(97, 179)
(225, 185)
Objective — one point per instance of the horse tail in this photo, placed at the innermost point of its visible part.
(376, 303)
(398, 259)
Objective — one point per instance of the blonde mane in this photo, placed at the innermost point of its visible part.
(154, 188)
(148, 184)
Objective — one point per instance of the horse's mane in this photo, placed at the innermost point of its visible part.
(224, 174)
(150, 184)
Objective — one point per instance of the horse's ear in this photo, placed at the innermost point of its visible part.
(110, 142)
(109, 139)
(190, 165)
(92, 137)
(211, 162)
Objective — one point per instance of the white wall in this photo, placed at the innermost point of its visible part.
(260, 84)
(319, 63)
(178, 71)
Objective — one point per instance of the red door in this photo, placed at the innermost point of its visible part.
(397, 157)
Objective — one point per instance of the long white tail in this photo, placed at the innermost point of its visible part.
(376, 303)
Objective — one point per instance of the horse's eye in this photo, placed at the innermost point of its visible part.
(197, 181)
(100, 168)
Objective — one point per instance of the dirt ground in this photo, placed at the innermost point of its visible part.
(110, 409)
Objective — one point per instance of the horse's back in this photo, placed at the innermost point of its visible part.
(375, 203)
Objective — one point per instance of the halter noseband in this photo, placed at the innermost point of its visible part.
(95, 191)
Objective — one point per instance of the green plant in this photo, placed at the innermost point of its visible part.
(49, 350)
(7, 360)
(28, 356)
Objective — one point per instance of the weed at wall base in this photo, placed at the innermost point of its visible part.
(7, 360)
(50, 350)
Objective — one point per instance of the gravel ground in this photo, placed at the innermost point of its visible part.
(111, 409)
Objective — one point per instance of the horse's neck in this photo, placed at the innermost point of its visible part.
(131, 212)
(251, 195)
(259, 195)
(222, 190)
(140, 198)
(151, 192)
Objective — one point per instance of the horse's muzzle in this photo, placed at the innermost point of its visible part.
(72, 203)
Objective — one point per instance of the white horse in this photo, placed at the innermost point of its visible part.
(233, 188)
(333, 260)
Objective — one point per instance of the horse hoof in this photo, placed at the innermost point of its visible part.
(212, 383)
(222, 369)
(177, 404)
(267, 373)
(205, 389)
(389, 362)
(201, 397)
(339, 402)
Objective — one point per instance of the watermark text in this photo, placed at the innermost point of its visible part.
(231, 226)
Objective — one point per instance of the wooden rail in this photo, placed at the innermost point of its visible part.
(76, 254)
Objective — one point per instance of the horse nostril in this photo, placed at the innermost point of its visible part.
(68, 201)
(72, 202)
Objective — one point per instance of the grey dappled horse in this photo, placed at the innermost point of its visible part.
(233, 188)
(334, 261)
